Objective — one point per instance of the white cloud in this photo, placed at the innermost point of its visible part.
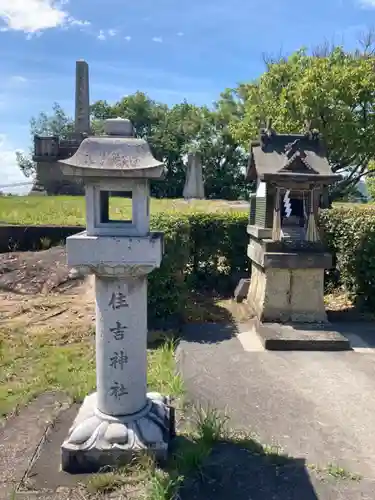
(31, 16)
(157, 39)
(18, 79)
(78, 22)
(128, 38)
(35, 34)
(367, 3)
(102, 35)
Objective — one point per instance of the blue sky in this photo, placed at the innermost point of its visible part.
(168, 49)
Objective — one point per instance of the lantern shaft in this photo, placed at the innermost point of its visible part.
(121, 343)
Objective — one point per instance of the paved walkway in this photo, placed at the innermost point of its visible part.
(319, 407)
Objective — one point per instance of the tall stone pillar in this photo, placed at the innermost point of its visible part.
(82, 98)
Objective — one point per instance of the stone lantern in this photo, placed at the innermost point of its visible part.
(120, 418)
(287, 255)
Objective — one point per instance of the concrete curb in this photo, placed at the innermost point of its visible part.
(278, 337)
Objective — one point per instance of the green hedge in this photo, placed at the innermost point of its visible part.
(167, 286)
(218, 250)
(350, 235)
(208, 251)
(202, 251)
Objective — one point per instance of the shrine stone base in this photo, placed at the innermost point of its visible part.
(284, 295)
(300, 336)
(97, 441)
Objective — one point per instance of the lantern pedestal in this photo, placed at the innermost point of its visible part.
(97, 440)
(120, 419)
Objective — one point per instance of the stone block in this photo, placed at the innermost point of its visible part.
(115, 256)
(242, 289)
(287, 294)
(297, 260)
(301, 337)
(259, 232)
(307, 296)
(257, 252)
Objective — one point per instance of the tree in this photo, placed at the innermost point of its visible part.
(172, 132)
(333, 89)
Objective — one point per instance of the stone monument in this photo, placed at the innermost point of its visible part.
(82, 99)
(194, 186)
(120, 418)
(287, 255)
(49, 150)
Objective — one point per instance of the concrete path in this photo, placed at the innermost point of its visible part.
(319, 407)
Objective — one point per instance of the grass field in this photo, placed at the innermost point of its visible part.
(70, 210)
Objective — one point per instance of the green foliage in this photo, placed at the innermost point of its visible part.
(350, 235)
(370, 183)
(175, 131)
(334, 90)
(201, 251)
(172, 132)
(167, 285)
(370, 180)
(207, 251)
(351, 195)
(219, 243)
(56, 123)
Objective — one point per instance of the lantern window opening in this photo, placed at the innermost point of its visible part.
(117, 207)
(113, 206)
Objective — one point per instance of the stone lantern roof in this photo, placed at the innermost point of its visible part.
(290, 158)
(117, 153)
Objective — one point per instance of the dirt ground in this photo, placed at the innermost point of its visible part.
(36, 287)
(29, 273)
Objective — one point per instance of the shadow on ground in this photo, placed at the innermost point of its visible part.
(208, 333)
(239, 468)
(211, 318)
(360, 333)
(245, 471)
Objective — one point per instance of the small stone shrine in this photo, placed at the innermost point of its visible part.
(287, 256)
(120, 418)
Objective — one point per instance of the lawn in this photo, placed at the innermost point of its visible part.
(70, 210)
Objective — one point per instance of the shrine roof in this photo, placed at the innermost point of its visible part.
(294, 156)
